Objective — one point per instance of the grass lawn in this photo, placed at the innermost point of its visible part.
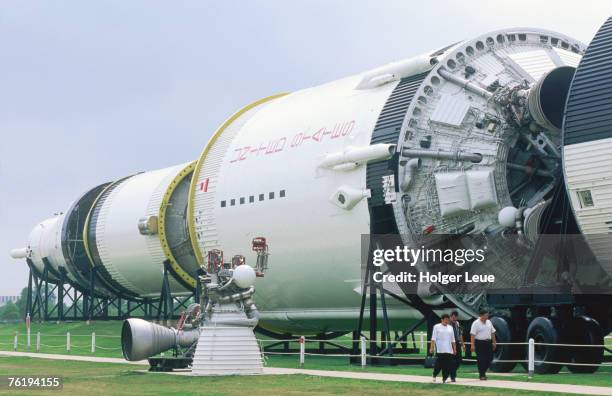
(104, 379)
(53, 340)
(53, 337)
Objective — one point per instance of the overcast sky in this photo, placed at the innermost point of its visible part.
(92, 91)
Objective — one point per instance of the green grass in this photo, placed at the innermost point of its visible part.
(603, 377)
(109, 345)
(104, 379)
(53, 337)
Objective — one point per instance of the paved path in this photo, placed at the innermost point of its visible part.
(519, 385)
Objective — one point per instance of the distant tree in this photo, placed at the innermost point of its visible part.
(9, 311)
(22, 301)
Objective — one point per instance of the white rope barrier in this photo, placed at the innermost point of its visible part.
(361, 343)
(53, 346)
(572, 345)
(364, 355)
(79, 346)
(72, 335)
(403, 342)
(108, 349)
(69, 345)
(331, 354)
(282, 353)
(377, 356)
(575, 364)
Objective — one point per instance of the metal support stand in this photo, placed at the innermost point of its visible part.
(387, 348)
(34, 299)
(72, 303)
(166, 302)
(169, 305)
(373, 289)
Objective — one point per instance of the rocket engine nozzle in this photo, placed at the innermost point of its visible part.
(141, 339)
(546, 100)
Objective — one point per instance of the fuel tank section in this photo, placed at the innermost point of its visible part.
(587, 145)
(121, 233)
(268, 172)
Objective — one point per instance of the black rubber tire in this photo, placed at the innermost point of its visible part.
(585, 330)
(542, 329)
(503, 333)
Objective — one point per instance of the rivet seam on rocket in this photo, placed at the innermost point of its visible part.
(196, 173)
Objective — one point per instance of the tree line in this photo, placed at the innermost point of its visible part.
(15, 310)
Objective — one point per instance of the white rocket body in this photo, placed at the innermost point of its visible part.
(296, 169)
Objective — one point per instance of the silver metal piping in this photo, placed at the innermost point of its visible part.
(458, 155)
(409, 171)
(529, 170)
(468, 85)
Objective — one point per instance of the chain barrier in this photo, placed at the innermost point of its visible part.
(302, 353)
(364, 356)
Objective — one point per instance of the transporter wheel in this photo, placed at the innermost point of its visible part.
(585, 330)
(504, 333)
(543, 330)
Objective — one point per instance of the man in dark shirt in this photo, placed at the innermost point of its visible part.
(454, 321)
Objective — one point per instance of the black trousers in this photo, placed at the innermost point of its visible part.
(484, 356)
(445, 364)
(456, 363)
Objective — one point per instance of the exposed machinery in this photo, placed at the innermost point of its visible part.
(468, 139)
(214, 336)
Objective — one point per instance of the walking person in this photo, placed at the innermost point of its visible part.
(459, 342)
(443, 340)
(482, 340)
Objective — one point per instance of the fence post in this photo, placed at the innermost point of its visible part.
(362, 345)
(93, 342)
(15, 342)
(422, 338)
(302, 350)
(68, 341)
(28, 330)
(38, 341)
(531, 358)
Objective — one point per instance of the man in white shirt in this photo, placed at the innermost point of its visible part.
(482, 337)
(443, 339)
